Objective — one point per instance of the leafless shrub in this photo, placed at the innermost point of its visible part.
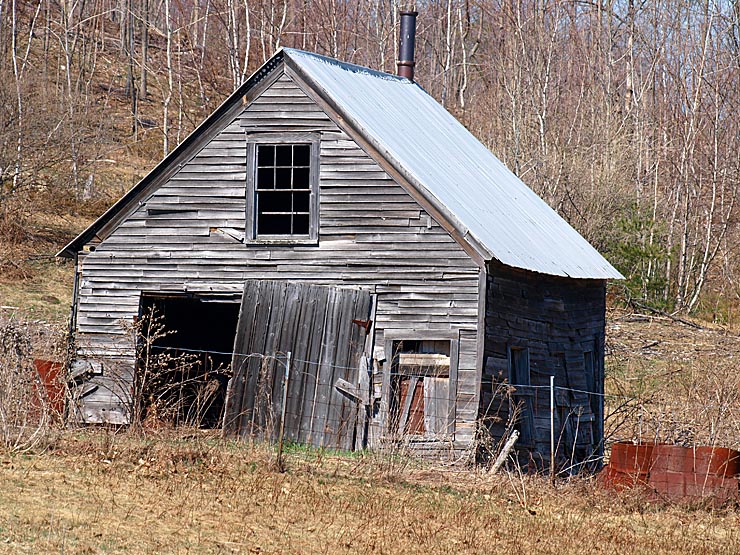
(167, 386)
(25, 411)
(487, 445)
(692, 403)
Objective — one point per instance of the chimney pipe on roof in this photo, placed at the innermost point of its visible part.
(406, 63)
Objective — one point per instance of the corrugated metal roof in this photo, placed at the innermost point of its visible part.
(425, 143)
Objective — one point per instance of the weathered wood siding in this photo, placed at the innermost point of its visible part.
(372, 234)
(557, 321)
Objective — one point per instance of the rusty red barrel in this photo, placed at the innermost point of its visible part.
(672, 458)
(631, 458)
(52, 380)
(716, 461)
(670, 485)
(629, 465)
(619, 481)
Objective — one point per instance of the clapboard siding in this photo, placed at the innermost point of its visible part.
(372, 234)
(557, 320)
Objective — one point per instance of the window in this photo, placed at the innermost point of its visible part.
(282, 189)
(522, 407)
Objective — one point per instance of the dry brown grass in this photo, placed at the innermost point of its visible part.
(101, 491)
(98, 492)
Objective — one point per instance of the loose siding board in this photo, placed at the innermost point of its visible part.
(372, 234)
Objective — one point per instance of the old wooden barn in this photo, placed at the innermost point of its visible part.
(345, 216)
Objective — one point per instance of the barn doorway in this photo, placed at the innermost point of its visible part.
(188, 362)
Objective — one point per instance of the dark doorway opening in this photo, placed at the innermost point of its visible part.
(189, 360)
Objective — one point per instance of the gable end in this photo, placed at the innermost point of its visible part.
(175, 160)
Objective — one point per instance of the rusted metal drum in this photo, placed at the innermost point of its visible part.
(672, 458)
(620, 481)
(629, 466)
(716, 461)
(631, 458)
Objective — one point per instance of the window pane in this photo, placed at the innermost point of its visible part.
(283, 155)
(282, 178)
(300, 224)
(273, 224)
(269, 201)
(265, 178)
(301, 201)
(301, 178)
(265, 155)
(302, 155)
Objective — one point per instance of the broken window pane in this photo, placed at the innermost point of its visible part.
(302, 155)
(273, 224)
(300, 224)
(301, 201)
(266, 178)
(266, 155)
(282, 178)
(284, 155)
(301, 178)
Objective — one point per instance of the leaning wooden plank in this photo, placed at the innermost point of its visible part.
(504, 454)
(350, 390)
(406, 410)
(364, 386)
(323, 434)
(341, 417)
(289, 328)
(262, 307)
(267, 417)
(300, 368)
(235, 408)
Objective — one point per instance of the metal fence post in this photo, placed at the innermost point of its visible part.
(552, 428)
(283, 408)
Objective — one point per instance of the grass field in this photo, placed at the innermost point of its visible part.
(97, 492)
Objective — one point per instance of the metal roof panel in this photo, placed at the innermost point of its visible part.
(426, 143)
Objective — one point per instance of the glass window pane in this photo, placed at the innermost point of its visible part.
(301, 201)
(273, 201)
(282, 178)
(300, 224)
(283, 189)
(302, 155)
(265, 155)
(273, 224)
(283, 155)
(301, 178)
(265, 178)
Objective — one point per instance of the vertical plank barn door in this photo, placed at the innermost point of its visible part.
(318, 325)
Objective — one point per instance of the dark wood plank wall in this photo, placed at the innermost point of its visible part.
(373, 234)
(557, 320)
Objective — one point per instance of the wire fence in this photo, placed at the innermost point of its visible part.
(565, 427)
